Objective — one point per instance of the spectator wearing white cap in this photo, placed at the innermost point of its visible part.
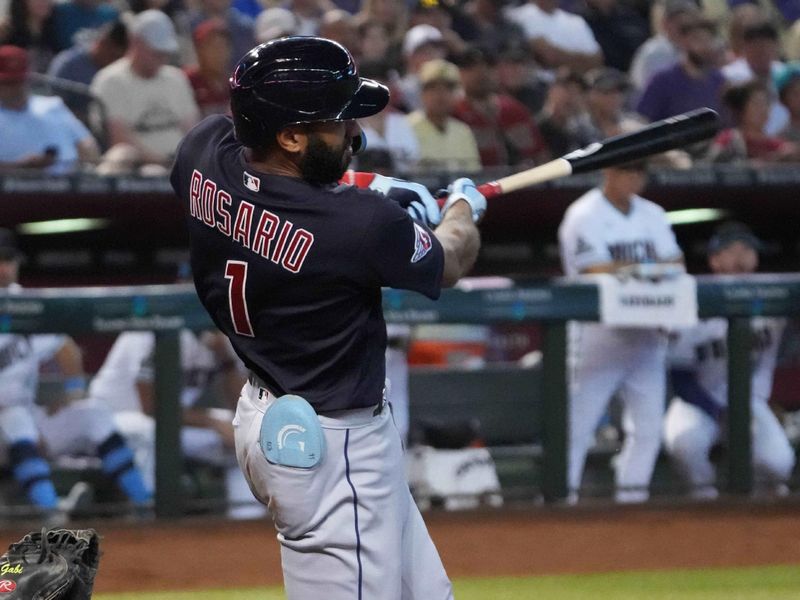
(275, 22)
(420, 44)
(149, 104)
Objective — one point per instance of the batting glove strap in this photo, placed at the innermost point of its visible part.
(465, 189)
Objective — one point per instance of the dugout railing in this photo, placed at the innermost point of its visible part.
(165, 309)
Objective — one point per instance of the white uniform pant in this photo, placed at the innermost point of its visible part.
(78, 428)
(604, 361)
(690, 433)
(348, 528)
(397, 374)
(198, 443)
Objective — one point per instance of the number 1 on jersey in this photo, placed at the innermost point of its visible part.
(236, 274)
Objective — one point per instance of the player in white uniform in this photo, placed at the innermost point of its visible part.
(608, 228)
(70, 425)
(699, 373)
(125, 384)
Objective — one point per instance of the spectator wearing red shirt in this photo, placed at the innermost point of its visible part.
(209, 77)
(504, 128)
(749, 105)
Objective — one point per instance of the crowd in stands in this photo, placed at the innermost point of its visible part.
(111, 86)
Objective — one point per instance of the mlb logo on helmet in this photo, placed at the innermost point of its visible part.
(422, 243)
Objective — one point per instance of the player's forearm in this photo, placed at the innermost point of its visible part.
(460, 240)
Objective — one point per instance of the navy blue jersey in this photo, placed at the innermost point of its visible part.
(292, 272)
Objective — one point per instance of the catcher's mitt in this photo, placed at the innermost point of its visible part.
(59, 564)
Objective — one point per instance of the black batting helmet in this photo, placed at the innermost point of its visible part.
(298, 79)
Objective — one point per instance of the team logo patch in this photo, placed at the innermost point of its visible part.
(251, 182)
(422, 243)
(7, 586)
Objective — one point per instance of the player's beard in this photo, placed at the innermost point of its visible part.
(323, 164)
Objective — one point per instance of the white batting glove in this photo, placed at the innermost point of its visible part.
(465, 189)
(414, 197)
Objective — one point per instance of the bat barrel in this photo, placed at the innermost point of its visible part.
(671, 133)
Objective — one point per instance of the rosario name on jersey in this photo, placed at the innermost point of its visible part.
(594, 232)
(703, 349)
(291, 272)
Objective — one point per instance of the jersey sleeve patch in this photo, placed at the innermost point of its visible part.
(422, 243)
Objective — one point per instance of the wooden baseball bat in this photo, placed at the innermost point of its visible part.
(668, 134)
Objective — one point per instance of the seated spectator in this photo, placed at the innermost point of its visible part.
(393, 16)
(30, 24)
(439, 15)
(38, 132)
(759, 62)
(421, 44)
(663, 49)
(693, 82)
(557, 37)
(746, 140)
(787, 82)
(376, 46)
(81, 63)
(209, 77)
(446, 144)
(518, 76)
(607, 117)
(563, 122)
(340, 26)
(618, 29)
(150, 104)
(73, 16)
(241, 26)
(506, 132)
(606, 101)
(309, 14)
(389, 129)
(488, 26)
(273, 23)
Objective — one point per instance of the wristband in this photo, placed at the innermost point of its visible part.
(75, 384)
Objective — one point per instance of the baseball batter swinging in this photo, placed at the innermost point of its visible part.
(290, 264)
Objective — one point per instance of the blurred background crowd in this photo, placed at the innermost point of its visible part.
(111, 85)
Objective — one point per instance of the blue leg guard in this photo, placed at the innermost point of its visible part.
(33, 474)
(118, 464)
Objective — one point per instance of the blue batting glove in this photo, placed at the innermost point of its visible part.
(465, 189)
(414, 197)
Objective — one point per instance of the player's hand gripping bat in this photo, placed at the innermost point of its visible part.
(675, 132)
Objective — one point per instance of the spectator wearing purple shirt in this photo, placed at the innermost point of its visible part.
(693, 82)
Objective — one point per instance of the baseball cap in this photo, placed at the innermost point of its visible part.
(8, 245)
(209, 27)
(156, 30)
(13, 64)
(439, 71)
(607, 79)
(733, 231)
(273, 23)
(419, 36)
